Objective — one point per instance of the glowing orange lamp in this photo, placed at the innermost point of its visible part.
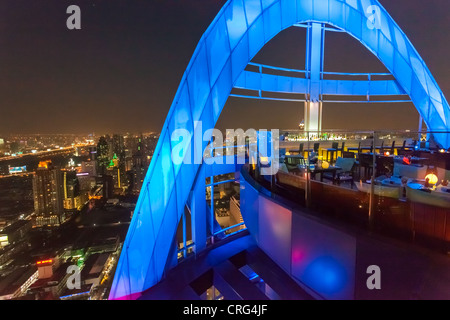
(432, 178)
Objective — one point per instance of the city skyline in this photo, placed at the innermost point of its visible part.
(304, 155)
(121, 70)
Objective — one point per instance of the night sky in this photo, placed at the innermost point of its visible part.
(120, 72)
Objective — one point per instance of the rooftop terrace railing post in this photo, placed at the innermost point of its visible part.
(308, 175)
(212, 211)
(197, 208)
(372, 183)
(184, 234)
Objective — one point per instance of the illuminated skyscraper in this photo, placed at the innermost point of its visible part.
(71, 185)
(48, 193)
(102, 154)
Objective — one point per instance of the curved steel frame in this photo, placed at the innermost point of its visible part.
(239, 31)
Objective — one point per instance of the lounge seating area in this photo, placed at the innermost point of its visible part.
(408, 184)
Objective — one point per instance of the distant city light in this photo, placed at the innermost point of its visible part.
(82, 174)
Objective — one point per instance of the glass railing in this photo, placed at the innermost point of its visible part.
(394, 182)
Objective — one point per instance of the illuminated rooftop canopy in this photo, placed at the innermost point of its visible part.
(236, 35)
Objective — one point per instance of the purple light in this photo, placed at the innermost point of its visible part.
(82, 174)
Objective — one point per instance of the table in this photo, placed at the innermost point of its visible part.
(438, 197)
(414, 160)
(359, 148)
(316, 169)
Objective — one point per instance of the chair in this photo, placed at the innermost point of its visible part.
(314, 149)
(392, 151)
(380, 148)
(292, 162)
(332, 150)
(407, 147)
(345, 173)
(384, 166)
(358, 149)
(366, 162)
(341, 149)
(348, 155)
(371, 148)
(299, 150)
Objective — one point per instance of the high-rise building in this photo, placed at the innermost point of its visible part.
(48, 192)
(89, 167)
(102, 154)
(138, 171)
(71, 185)
(118, 146)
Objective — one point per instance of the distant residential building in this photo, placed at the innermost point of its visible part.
(92, 272)
(108, 186)
(15, 232)
(48, 193)
(89, 167)
(102, 155)
(72, 196)
(52, 284)
(17, 282)
(115, 173)
(138, 172)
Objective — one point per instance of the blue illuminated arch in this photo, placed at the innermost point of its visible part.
(237, 34)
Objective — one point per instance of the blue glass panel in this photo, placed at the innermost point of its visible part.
(165, 237)
(402, 72)
(256, 37)
(435, 118)
(252, 10)
(267, 3)
(432, 88)
(419, 71)
(161, 181)
(400, 42)
(352, 3)
(236, 22)
(138, 255)
(385, 25)
(181, 117)
(370, 37)
(207, 122)
(288, 14)
(198, 81)
(221, 90)
(337, 13)
(184, 182)
(304, 10)
(240, 58)
(272, 21)
(386, 52)
(320, 9)
(353, 22)
(218, 49)
(420, 97)
(439, 110)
